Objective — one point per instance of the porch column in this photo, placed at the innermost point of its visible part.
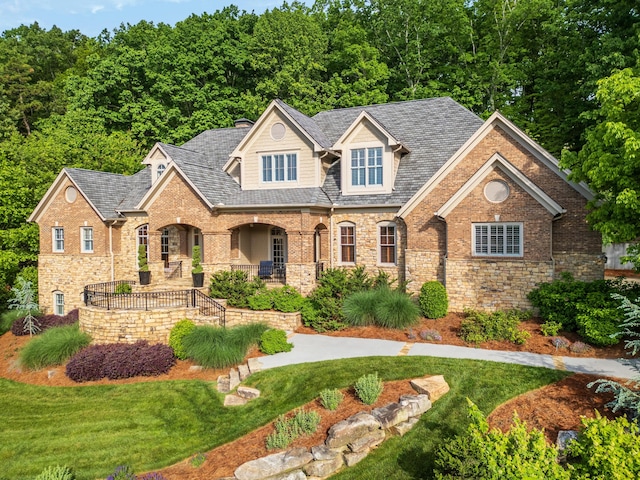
(156, 265)
(217, 249)
(301, 246)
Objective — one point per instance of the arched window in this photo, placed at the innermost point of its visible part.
(160, 170)
(143, 238)
(347, 242)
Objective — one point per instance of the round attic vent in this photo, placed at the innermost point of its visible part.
(277, 131)
(70, 194)
(496, 191)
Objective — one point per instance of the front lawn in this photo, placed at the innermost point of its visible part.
(150, 425)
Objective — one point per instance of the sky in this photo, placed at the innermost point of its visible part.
(90, 17)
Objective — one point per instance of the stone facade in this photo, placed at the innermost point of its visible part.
(281, 320)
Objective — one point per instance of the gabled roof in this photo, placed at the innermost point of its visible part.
(495, 120)
(496, 161)
(365, 115)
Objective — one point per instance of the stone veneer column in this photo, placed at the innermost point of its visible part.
(302, 277)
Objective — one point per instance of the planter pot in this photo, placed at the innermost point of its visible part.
(198, 279)
(145, 278)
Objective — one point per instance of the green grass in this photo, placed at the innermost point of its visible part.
(93, 429)
(53, 347)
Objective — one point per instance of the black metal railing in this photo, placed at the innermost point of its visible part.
(105, 296)
(277, 274)
(319, 269)
(118, 286)
(173, 270)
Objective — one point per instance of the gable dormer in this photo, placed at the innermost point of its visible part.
(282, 150)
(157, 161)
(370, 157)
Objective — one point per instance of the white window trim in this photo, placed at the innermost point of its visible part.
(387, 169)
(287, 157)
(160, 169)
(395, 243)
(56, 305)
(355, 243)
(83, 240)
(367, 167)
(520, 226)
(54, 240)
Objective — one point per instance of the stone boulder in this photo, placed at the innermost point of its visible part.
(248, 392)
(275, 465)
(416, 404)
(234, 400)
(324, 468)
(404, 427)
(368, 441)
(391, 414)
(434, 386)
(351, 429)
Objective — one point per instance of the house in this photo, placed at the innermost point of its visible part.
(422, 189)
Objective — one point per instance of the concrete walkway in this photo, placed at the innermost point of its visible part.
(317, 348)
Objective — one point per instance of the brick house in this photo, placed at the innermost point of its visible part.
(423, 189)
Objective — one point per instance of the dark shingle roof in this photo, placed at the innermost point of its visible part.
(432, 130)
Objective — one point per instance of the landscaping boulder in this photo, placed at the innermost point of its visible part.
(224, 384)
(416, 404)
(404, 427)
(324, 468)
(434, 386)
(254, 365)
(367, 441)
(234, 400)
(244, 372)
(350, 459)
(234, 378)
(349, 430)
(322, 452)
(274, 465)
(391, 414)
(248, 392)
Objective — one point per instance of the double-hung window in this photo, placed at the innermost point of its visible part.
(58, 303)
(86, 241)
(280, 167)
(366, 166)
(497, 239)
(387, 243)
(348, 243)
(58, 239)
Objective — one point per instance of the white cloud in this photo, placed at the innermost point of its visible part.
(97, 8)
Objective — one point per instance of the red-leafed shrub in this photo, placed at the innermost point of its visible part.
(45, 322)
(120, 360)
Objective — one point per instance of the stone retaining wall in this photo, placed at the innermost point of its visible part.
(281, 320)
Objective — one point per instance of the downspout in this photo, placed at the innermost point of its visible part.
(331, 232)
(553, 260)
(446, 246)
(113, 274)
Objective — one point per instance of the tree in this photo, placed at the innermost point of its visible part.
(609, 161)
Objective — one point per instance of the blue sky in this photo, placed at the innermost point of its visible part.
(92, 16)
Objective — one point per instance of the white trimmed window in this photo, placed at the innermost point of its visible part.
(280, 167)
(58, 303)
(86, 235)
(387, 243)
(160, 170)
(366, 166)
(347, 243)
(142, 235)
(57, 239)
(497, 239)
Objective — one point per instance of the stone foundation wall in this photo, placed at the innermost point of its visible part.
(490, 284)
(281, 320)
(583, 266)
(423, 266)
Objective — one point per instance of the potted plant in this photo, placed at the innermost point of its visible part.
(196, 268)
(143, 267)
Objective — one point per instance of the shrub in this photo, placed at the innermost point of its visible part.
(287, 299)
(368, 388)
(120, 360)
(197, 460)
(143, 264)
(44, 322)
(218, 347)
(359, 308)
(180, 330)
(560, 342)
(605, 449)
(122, 288)
(550, 328)
(288, 429)
(53, 347)
(580, 347)
(433, 300)
(598, 326)
(235, 287)
(56, 473)
(490, 454)
(262, 300)
(8, 318)
(196, 265)
(330, 398)
(430, 335)
(395, 309)
(480, 327)
(123, 472)
(274, 341)
(25, 299)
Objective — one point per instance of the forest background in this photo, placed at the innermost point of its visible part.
(565, 71)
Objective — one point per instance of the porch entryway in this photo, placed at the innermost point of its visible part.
(261, 250)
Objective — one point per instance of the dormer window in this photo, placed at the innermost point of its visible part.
(280, 167)
(160, 170)
(366, 166)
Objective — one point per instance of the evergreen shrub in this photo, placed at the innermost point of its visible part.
(433, 300)
(234, 286)
(286, 299)
(120, 360)
(368, 388)
(274, 341)
(478, 327)
(550, 328)
(180, 330)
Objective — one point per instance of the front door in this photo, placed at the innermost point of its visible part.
(278, 247)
